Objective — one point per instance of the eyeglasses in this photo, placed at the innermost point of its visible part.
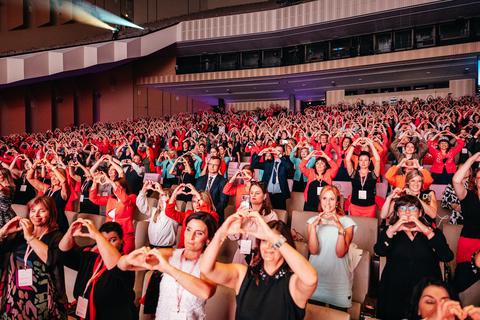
(408, 208)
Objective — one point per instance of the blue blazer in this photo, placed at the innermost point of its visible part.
(267, 166)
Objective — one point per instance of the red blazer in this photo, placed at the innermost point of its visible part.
(311, 175)
(437, 166)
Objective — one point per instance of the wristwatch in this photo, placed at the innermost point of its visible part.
(281, 240)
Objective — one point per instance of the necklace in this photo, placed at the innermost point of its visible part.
(277, 275)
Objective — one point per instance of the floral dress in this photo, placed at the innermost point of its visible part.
(6, 212)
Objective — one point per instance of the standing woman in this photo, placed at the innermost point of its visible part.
(32, 285)
(413, 250)
(364, 181)
(296, 156)
(329, 236)
(469, 242)
(279, 283)
(7, 189)
(444, 154)
(184, 290)
(321, 175)
(58, 189)
(241, 191)
(105, 291)
(120, 206)
(259, 201)
(341, 150)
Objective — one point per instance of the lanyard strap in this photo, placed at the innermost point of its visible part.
(29, 250)
(180, 288)
(84, 185)
(96, 273)
(363, 180)
(50, 192)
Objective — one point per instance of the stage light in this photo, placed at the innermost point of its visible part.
(106, 16)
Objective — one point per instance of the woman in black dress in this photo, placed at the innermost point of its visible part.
(413, 251)
(279, 282)
(7, 188)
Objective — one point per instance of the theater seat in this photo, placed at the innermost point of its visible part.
(361, 280)
(345, 187)
(20, 209)
(315, 312)
(365, 236)
(299, 221)
(439, 190)
(282, 215)
(71, 216)
(295, 202)
(141, 234)
(471, 296)
(222, 305)
(70, 277)
(452, 234)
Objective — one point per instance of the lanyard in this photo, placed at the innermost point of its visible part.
(29, 250)
(363, 180)
(180, 289)
(96, 273)
(84, 185)
(50, 192)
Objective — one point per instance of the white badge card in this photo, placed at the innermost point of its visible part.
(82, 307)
(319, 190)
(245, 246)
(464, 150)
(23, 188)
(82, 197)
(362, 194)
(25, 277)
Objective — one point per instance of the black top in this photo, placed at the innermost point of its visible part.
(113, 292)
(134, 181)
(370, 186)
(60, 204)
(313, 199)
(87, 206)
(407, 263)
(471, 217)
(269, 300)
(22, 197)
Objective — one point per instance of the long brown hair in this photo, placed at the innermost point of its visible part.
(266, 208)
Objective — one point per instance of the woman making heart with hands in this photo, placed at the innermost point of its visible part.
(183, 289)
(329, 236)
(101, 289)
(413, 250)
(279, 282)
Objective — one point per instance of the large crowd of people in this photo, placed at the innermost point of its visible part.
(183, 171)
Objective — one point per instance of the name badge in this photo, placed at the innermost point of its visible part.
(362, 194)
(245, 246)
(82, 307)
(105, 194)
(82, 197)
(23, 188)
(25, 277)
(464, 150)
(319, 190)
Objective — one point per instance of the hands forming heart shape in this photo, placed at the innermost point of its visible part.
(147, 259)
(248, 223)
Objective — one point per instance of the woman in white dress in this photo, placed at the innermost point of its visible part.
(183, 290)
(329, 236)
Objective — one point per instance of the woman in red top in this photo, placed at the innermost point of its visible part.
(443, 153)
(200, 201)
(120, 206)
(240, 190)
(322, 174)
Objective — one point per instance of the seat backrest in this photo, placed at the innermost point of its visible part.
(232, 168)
(299, 221)
(222, 305)
(282, 215)
(315, 312)
(97, 220)
(382, 188)
(443, 215)
(439, 189)
(20, 209)
(452, 234)
(141, 234)
(361, 279)
(471, 296)
(295, 202)
(70, 276)
(365, 236)
(71, 216)
(345, 187)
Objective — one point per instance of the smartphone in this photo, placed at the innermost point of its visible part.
(245, 203)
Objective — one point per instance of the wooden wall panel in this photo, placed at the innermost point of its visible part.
(152, 10)
(41, 12)
(64, 112)
(165, 9)
(113, 6)
(41, 108)
(85, 104)
(14, 10)
(12, 111)
(155, 103)
(140, 11)
(167, 103)
(140, 102)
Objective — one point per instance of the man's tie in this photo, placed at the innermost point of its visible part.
(209, 183)
(275, 172)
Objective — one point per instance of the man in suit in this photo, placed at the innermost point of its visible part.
(213, 182)
(275, 172)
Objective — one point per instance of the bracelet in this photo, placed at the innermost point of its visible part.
(281, 240)
(475, 269)
(30, 239)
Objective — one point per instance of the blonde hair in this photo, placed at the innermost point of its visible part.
(338, 197)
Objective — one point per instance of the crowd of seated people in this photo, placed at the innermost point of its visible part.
(200, 180)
